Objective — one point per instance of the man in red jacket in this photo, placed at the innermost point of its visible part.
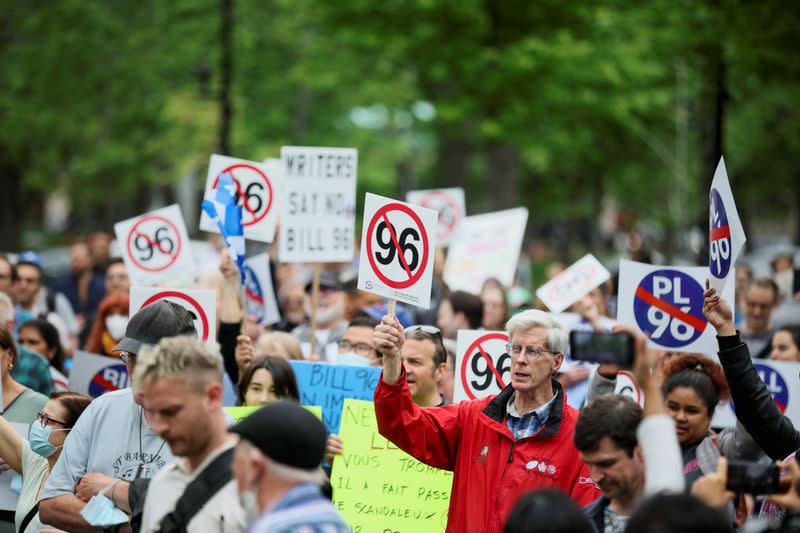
(497, 447)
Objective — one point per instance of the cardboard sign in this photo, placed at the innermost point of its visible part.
(450, 205)
(258, 290)
(257, 186)
(378, 487)
(483, 368)
(780, 377)
(666, 304)
(572, 284)
(328, 385)
(318, 207)
(239, 413)
(201, 304)
(96, 375)
(9, 498)
(397, 245)
(486, 246)
(725, 233)
(155, 246)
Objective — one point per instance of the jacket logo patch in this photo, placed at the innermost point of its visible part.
(483, 455)
(540, 467)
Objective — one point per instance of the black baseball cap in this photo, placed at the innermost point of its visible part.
(286, 433)
(154, 322)
(327, 280)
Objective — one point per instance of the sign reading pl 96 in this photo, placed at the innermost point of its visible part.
(318, 207)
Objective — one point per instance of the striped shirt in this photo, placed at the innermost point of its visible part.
(301, 510)
(526, 424)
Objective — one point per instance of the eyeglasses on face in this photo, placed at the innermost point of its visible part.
(47, 420)
(532, 352)
(360, 348)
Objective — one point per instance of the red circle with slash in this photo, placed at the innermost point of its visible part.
(242, 195)
(430, 198)
(381, 214)
(477, 345)
(201, 314)
(176, 252)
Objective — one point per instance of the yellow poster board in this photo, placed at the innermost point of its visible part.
(240, 413)
(378, 487)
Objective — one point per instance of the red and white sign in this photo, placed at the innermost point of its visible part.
(397, 247)
(257, 185)
(201, 304)
(155, 246)
(483, 368)
(569, 286)
(450, 205)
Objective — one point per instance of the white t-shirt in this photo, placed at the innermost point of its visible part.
(221, 513)
(34, 468)
(113, 438)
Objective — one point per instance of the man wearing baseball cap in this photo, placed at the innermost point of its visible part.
(112, 445)
(279, 478)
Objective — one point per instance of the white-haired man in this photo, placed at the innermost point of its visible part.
(507, 444)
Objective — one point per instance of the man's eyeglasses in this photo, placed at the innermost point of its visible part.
(532, 352)
(360, 348)
(46, 419)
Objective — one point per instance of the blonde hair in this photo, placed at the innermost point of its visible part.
(179, 357)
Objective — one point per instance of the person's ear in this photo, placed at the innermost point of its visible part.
(558, 359)
(438, 371)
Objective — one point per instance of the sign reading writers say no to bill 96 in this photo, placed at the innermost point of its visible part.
(318, 208)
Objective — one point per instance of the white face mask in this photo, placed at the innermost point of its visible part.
(352, 359)
(249, 502)
(116, 324)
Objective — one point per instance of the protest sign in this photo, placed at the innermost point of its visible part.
(239, 413)
(258, 290)
(780, 377)
(378, 487)
(483, 367)
(725, 233)
(201, 304)
(573, 283)
(257, 186)
(318, 206)
(666, 304)
(486, 246)
(448, 203)
(397, 245)
(328, 385)
(9, 498)
(96, 375)
(155, 246)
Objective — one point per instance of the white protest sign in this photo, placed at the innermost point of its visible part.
(318, 207)
(626, 386)
(202, 304)
(397, 245)
(666, 304)
(257, 185)
(482, 366)
(9, 498)
(486, 246)
(155, 246)
(95, 375)
(570, 285)
(258, 290)
(450, 205)
(725, 233)
(780, 377)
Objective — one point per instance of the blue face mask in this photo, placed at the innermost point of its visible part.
(101, 512)
(39, 439)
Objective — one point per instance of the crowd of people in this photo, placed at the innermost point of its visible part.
(556, 450)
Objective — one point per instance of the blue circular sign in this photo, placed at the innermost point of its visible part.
(109, 378)
(668, 306)
(775, 384)
(719, 247)
(254, 294)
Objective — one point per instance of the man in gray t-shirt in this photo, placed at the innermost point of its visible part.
(112, 440)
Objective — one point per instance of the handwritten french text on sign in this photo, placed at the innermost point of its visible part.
(725, 233)
(201, 304)
(666, 304)
(328, 385)
(450, 205)
(258, 290)
(486, 246)
(155, 246)
(257, 186)
(397, 247)
(570, 285)
(96, 375)
(483, 367)
(378, 487)
(318, 206)
(780, 377)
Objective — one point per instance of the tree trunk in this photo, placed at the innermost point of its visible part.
(226, 75)
(10, 203)
(503, 168)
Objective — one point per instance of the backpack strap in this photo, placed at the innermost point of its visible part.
(198, 492)
(28, 518)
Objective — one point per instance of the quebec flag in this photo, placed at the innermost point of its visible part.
(227, 214)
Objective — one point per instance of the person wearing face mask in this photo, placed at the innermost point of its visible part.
(279, 480)
(109, 326)
(34, 458)
(330, 326)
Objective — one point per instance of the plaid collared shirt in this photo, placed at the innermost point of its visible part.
(524, 425)
(33, 371)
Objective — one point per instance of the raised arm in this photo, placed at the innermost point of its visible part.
(10, 446)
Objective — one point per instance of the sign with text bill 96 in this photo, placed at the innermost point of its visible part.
(318, 204)
(666, 304)
(397, 248)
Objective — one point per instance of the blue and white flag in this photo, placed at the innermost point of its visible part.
(226, 213)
